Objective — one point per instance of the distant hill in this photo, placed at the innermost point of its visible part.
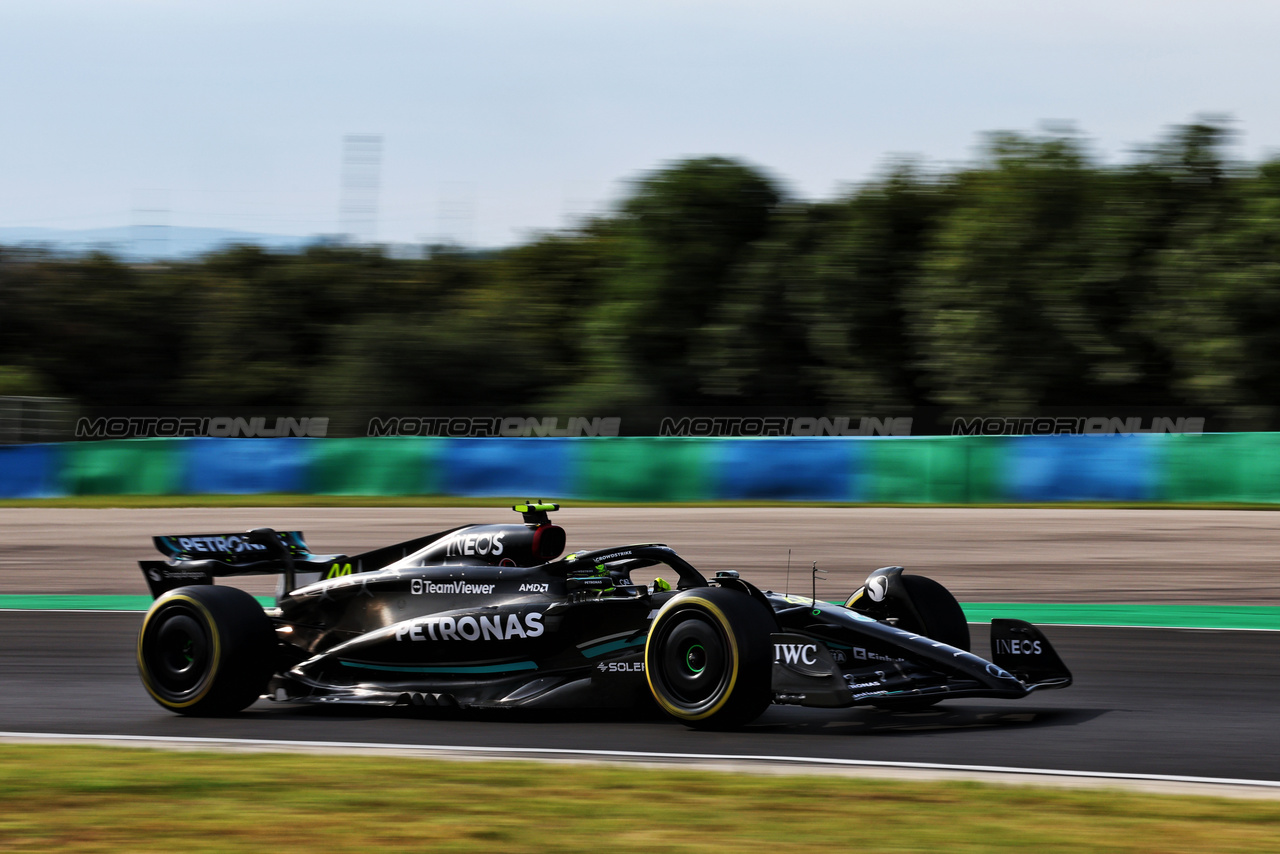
(148, 243)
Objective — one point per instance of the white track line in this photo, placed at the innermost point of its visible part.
(68, 611)
(800, 764)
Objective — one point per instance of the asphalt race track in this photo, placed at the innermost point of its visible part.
(1146, 701)
(1186, 703)
(1221, 557)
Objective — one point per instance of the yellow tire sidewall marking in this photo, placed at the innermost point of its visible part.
(213, 669)
(733, 652)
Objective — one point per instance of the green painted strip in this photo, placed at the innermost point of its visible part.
(479, 668)
(1263, 617)
(613, 646)
(76, 602)
(1157, 616)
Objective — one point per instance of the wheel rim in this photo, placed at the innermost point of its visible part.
(693, 664)
(696, 659)
(177, 652)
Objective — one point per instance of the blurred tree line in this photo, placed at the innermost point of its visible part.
(1034, 277)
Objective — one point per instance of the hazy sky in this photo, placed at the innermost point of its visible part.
(503, 118)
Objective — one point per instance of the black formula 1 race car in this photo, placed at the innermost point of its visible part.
(490, 616)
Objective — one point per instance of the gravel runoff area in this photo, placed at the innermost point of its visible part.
(1223, 557)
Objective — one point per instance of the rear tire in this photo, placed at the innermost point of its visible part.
(708, 658)
(206, 650)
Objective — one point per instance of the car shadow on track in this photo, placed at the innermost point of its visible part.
(777, 720)
(352, 712)
(879, 722)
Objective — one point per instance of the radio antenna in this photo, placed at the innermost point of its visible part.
(816, 573)
(787, 590)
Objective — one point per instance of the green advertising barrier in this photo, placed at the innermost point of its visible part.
(123, 467)
(936, 470)
(645, 469)
(391, 465)
(1174, 469)
(1237, 467)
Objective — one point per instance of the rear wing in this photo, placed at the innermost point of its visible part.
(200, 558)
(230, 548)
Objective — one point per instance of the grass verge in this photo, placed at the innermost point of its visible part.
(292, 500)
(87, 799)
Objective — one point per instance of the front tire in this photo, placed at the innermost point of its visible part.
(708, 658)
(941, 615)
(941, 619)
(206, 650)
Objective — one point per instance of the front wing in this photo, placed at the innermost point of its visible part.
(857, 670)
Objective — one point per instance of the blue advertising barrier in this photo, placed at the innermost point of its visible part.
(245, 466)
(808, 469)
(29, 471)
(1083, 468)
(528, 468)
